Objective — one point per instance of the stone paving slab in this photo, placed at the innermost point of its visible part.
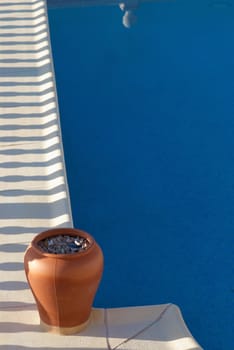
(125, 325)
(159, 327)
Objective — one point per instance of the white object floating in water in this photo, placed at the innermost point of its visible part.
(129, 19)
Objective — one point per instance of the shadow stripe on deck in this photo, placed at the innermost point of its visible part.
(33, 180)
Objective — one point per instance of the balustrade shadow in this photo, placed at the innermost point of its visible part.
(16, 327)
(16, 305)
(13, 285)
(11, 266)
(13, 247)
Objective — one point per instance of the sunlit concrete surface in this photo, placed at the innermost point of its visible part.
(158, 327)
(34, 196)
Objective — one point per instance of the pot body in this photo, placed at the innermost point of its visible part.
(64, 285)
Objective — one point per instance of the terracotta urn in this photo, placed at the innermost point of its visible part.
(64, 285)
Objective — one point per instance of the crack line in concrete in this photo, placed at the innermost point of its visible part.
(145, 328)
(107, 329)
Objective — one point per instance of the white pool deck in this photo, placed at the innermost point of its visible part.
(34, 196)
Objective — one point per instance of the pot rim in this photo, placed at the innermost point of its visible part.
(62, 231)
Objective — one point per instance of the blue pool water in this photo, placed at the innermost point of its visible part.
(148, 127)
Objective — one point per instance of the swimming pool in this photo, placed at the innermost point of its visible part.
(147, 119)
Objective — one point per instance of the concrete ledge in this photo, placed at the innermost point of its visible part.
(159, 327)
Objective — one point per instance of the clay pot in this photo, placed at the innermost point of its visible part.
(64, 285)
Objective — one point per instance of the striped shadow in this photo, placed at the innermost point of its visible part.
(34, 194)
